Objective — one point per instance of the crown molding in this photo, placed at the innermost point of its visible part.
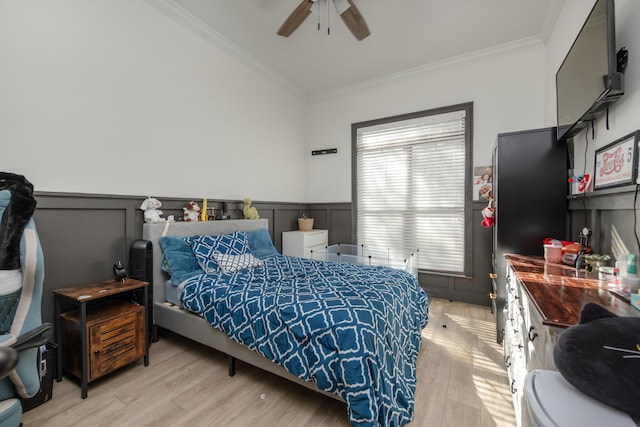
(506, 49)
(549, 21)
(208, 34)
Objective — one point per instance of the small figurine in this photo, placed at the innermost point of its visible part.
(190, 211)
(249, 211)
(151, 212)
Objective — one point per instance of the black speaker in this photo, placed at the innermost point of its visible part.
(141, 268)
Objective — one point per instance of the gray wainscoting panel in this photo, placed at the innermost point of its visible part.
(82, 235)
(341, 226)
(335, 217)
(610, 215)
(286, 219)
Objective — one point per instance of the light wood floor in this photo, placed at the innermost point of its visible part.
(461, 382)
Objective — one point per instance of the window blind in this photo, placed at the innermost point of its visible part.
(410, 187)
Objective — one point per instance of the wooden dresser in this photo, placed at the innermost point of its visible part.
(543, 299)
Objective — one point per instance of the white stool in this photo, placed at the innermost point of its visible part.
(552, 402)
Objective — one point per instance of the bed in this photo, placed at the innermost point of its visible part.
(351, 332)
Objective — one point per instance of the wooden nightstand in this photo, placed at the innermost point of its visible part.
(103, 334)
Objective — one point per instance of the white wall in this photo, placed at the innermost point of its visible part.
(506, 87)
(114, 97)
(623, 116)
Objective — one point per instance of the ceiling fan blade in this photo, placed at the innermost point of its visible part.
(296, 18)
(352, 18)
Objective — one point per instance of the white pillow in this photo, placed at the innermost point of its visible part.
(229, 263)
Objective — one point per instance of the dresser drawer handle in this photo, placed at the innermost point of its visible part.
(532, 334)
(493, 275)
(507, 361)
(513, 387)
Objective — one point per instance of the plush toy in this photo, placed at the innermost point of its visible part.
(151, 212)
(190, 211)
(601, 357)
(487, 214)
(249, 211)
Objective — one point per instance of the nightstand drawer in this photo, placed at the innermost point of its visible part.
(315, 238)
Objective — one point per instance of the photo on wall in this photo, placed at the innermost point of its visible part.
(482, 182)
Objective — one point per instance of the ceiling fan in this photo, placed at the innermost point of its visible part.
(345, 8)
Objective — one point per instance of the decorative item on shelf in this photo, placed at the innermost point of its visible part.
(150, 207)
(584, 236)
(580, 184)
(570, 253)
(224, 211)
(487, 214)
(190, 211)
(249, 211)
(304, 223)
(593, 262)
(203, 213)
(119, 272)
(212, 216)
(553, 251)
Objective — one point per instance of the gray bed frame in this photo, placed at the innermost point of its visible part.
(191, 325)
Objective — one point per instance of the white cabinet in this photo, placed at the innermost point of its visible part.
(528, 343)
(301, 243)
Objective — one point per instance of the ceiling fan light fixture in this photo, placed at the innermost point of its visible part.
(345, 8)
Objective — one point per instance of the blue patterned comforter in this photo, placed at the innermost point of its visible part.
(354, 330)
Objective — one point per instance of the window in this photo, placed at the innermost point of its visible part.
(412, 186)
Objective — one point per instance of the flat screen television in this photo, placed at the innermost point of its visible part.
(588, 81)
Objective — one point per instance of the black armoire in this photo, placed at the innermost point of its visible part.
(530, 195)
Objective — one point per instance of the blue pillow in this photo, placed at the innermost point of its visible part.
(260, 243)
(204, 247)
(179, 258)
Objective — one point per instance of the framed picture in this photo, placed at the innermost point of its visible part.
(482, 182)
(615, 164)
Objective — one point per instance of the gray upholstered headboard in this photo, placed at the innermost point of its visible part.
(153, 232)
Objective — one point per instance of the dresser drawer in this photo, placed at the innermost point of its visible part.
(315, 238)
